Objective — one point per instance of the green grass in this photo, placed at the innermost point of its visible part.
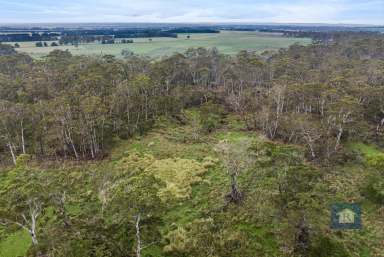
(365, 149)
(15, 245)
(233, 136)
(262, 236)
(228, 42)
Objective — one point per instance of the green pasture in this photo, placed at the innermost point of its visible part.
(228, 42)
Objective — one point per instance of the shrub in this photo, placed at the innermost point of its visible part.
(376, 161)
(209, 162)
(326, 247)
(179, 176)
(374, 189)
(22, 160)
(211, 116)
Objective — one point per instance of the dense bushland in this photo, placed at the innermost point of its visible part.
(71, 107)
(196, 154)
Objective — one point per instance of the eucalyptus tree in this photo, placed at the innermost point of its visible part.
(135, 202)
(23, 199)
(236, 158)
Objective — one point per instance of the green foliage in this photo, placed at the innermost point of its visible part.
(270, 153)
(179, 176)
(138, 193)
(209, 162)
(166, 181)
(296, 184)
(376, 161)
(326, 247)
(15, 245)
(197, 238)
(211, 116)
(182, 214)
(22, 160)
(6, 49)
(205, 237)
(374, 189)
(368, 150)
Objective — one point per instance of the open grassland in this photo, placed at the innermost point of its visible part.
(228, 42)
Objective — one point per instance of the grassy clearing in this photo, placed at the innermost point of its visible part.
(365, 149)
(228, 42)
(15, 245)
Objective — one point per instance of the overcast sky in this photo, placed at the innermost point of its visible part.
(185, 11)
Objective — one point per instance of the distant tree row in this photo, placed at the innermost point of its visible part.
(75, 40)
(193, 30)
(43, 44)
(87, 36)
(24, 37)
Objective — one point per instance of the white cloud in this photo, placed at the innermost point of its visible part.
(296, 11)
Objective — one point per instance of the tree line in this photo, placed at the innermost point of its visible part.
(319, 96)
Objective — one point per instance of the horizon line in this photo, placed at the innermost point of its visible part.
(201, 23)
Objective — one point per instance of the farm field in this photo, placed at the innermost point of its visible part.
(228, 42)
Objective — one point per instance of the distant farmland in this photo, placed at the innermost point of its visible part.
(228, 42)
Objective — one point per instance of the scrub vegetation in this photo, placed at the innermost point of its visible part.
(194, 154)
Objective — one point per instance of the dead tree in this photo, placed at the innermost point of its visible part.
(29, 222)
(236, 158)
(302, 238)
(138, 246)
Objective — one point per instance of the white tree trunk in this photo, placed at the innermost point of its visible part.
(22, 137)
(12, 153)
(69, 137)
(339, 134)
(34, 212)
(138, 247)
(29, 223)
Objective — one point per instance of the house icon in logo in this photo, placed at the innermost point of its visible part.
(345, 216)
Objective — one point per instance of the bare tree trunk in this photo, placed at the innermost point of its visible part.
(41, 144)
(310, 141)
(84, 148)
(12, 153)
(22, 137)
(32, 231)
(339, 134)
(29, 223)
(137, 120)
(312, 150)
(68, 135)
(146, 107)
(95, 142)
(34, 212)
(61, 198)
(92, 152)
(379, 125)
(128, 114)
(235, 196)
(302, 238)
(138, 247)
